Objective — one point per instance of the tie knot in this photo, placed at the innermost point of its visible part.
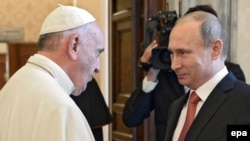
(194, 98)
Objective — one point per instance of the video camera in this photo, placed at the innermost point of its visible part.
(162, 22)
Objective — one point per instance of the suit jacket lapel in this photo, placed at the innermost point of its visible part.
(211, 105)
(174, 114)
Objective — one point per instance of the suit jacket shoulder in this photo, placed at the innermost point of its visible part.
(228, 103)
(236, 70)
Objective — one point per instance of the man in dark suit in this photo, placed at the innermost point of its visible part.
(159, 89)
(198, 59)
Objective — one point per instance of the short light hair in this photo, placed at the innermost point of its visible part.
(50, 41)
(210, 29)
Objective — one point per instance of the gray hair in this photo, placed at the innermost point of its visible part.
(210, 30)
(50, 41)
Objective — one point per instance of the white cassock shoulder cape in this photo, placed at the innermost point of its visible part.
(35, 105)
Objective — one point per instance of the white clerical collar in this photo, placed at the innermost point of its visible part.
(54, 70)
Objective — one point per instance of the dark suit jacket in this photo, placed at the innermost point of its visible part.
(236, 70)
(228, 103)
(140, 104)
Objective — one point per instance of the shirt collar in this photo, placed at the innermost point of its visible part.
(54, 70)
(204, 90)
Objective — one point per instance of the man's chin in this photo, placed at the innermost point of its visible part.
(182, 82)
(75, 94)
(79, 92)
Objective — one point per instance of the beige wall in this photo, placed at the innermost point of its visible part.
(243, 37)
(27, 14)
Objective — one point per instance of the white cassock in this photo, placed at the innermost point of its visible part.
(35, 105)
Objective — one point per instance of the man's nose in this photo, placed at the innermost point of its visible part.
(175, 63)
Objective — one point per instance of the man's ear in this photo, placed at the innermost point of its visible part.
(217, 49)
(73, 46)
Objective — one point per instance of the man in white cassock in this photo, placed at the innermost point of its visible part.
(35, 103)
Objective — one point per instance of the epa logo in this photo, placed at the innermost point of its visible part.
(238, 134)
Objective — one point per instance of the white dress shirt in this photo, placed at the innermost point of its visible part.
(149, 86)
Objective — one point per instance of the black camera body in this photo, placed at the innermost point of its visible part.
(163, 22)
